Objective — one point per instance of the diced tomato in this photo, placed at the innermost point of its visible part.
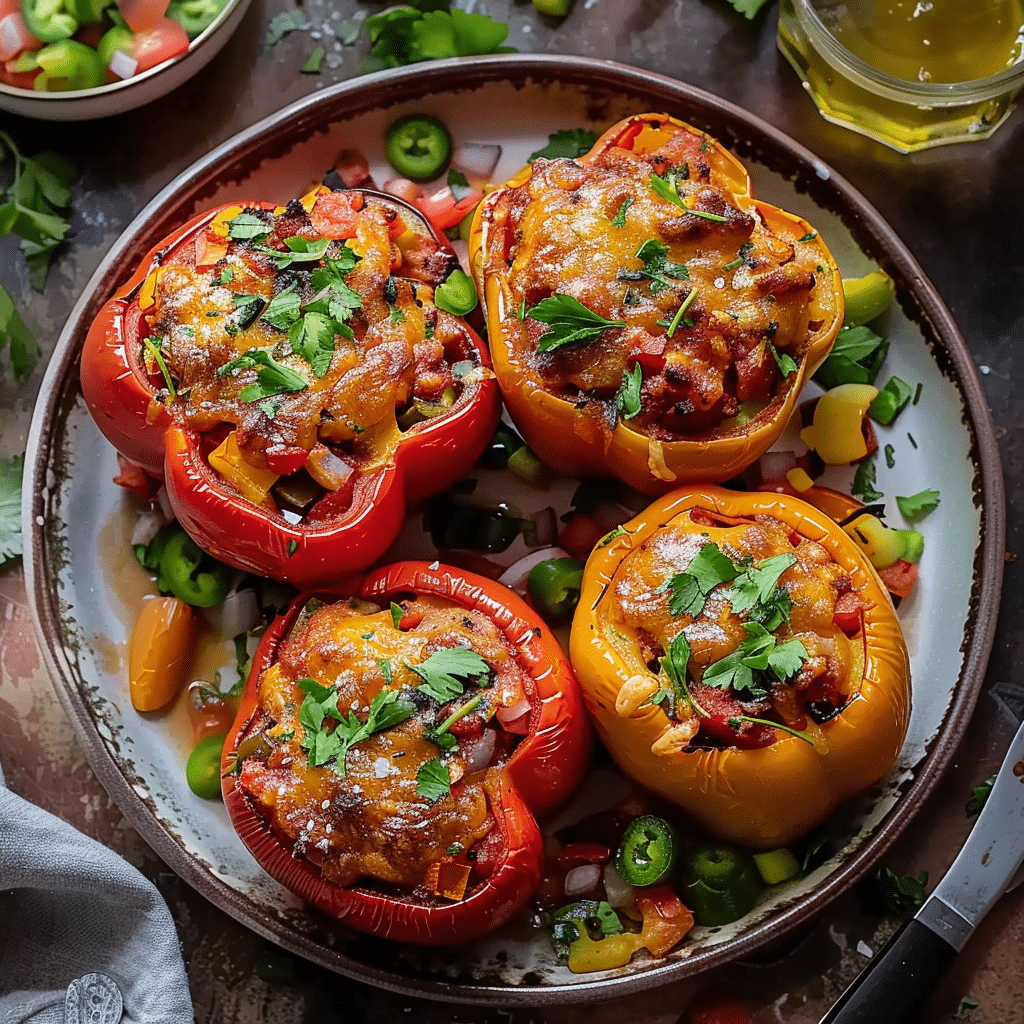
(334, 214)
(18, 79)
(135, 479)
(141, 15)
(574, 854)
(209, 249)
(666, 918)
(849, 613)
(15, 36)
(166, 39)
(410, 620)
(352, 168)
(579, 536)
(286, 459)
(441, 209)
(899, 577)
(717, 1008)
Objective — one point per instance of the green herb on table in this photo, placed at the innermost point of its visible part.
(979, 797)
(900, 894)
(281, 24)
(964, 1007)
(916, 506)
(572, 143)
(864, 482)
(23, 349)
(10, 507)
(569, 322)
(314, 62)
(748, 8)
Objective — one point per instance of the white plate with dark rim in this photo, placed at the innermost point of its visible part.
(78, 564)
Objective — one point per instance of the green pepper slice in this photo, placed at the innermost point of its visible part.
(112, 40)
(68, 65)
(87, 12)
(418, 147)
(47, 20)
(457, 295)
(648, 852)
(554, 588)
(191, 575)
(202, 771)
(721, 884)
(194, 16)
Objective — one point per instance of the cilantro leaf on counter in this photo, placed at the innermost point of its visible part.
(569, 322)
(571, 143)
(433, 780)
(748, 8)
(864, 482)
(23, 348)
(900, 893)
(10, 507)
(281, 24)
(690, 588)
(979, 796)
(314, 62)
(916, 506)
(442, 671)
(627, 398)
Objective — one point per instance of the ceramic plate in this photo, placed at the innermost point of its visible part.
(81, 571)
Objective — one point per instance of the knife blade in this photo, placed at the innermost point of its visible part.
(896, 986)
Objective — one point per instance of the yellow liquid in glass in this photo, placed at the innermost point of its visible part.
(930, 40)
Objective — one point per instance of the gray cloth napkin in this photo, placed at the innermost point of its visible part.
(84, 937)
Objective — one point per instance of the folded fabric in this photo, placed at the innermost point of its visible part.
(85, 938)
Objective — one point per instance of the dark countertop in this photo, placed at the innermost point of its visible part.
(960, 211)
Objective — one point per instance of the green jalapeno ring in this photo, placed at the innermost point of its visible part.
(554, 588)
(182, 574)
(418, 146)
(720, 883)
(202, 771)
(648, 852)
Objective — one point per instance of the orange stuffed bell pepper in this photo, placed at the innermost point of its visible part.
(395, 742)
(740, 657)
(648, 318)
(291, 375)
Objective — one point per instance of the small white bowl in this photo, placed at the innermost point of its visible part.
(117, 97)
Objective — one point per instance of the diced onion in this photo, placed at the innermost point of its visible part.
(163, 499)
(147, 526)
(773, 466)
(122, 65)
(513, 711)
(516, 575)
(479, 752)
(402, 188)
(239, 611)
(582, 879)
(618, 892)
(476, 160)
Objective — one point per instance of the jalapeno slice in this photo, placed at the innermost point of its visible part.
(202, 772)
(191, 575)
(721, 884)
(418, 147)
(648, 852)
(554, 588)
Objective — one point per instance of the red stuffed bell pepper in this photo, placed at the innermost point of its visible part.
(394, 745)
(288, 373)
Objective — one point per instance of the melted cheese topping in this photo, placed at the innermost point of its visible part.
(371, 822)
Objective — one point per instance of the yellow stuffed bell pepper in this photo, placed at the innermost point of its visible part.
(740, 658)
(648, 318)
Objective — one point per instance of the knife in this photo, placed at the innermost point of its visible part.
(896, 987)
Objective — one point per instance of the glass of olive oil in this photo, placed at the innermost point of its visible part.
(910, 73)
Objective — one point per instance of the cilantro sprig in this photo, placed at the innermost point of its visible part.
(657, 267)
(691, 587)
(569, 322)
(756, 590)
(433, 780)
(571, 143)
(745, 667)
(627, 398)
(442, 673)
(916, 506)
(299, 250)
(667, 187)
(440, 735)
(272, 377)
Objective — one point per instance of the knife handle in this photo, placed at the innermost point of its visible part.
(896, 986)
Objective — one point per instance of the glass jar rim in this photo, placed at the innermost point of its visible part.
(902, 89)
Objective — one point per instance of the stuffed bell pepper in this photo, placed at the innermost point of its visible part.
(740, 658)
(649, 319)
(396, 740)
(292, 375)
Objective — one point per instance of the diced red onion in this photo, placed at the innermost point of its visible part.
(609, 514)
(476, 160)
(147, 526)
(513, 712)
(619, 893)
(403, 188)
(546, 526)
(582, 879)
(516, 575)
(478, 752)
(239, 611)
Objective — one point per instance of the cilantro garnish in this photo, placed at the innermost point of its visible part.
(737, 720)
(979, 796)
(397, 611)
(856, 358)
(314, 62)
(627, 398)
(333, 296)
(668, 188)
(741, 253)
(272, 378)
(571, 143)
(756, 590)
(569, 322)
(23, 347)
(247, 311)
(312, 337)
(786, 363)
(690, 588)
(619, 220)
(657, 267)
(284, 308)
(247, 226)
(758, 653)
(300, 250)
(863, 484)
(442, 671)
(916, 506)
(675, 661)
(10, 507)
(433, 780)
(900, 893)
(459, 184)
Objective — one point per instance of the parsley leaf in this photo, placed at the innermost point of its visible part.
(281, 24)
(627, 398)
(619, 220)
(900, 893)
(247, 226)
(24, 350)
(856, 358)
(786, 363)
(312, 337)
(758, 653)
(440, 734)
(571, 143)
(755, 587)
(314, 62)
(569, 322)
(667, 187)
(396, 615)
(916, 506)
(433, 780)
(10, 507)
(979, 796)
(748, 8)
(656, 267)
(690, 588)
(284, 308)
(300, 250)
(864, 482)
(272, 377)
(442, 671)
(334, 297)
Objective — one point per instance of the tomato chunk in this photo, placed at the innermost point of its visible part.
(899, 577)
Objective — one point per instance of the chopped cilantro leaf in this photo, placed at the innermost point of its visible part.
(864, 482)
(916, 506)
(314, 62)
(442, 671)
(312, 337)
(569, 322)
(657, 267)
(299, 250)
(24, 349)
(10, 507)
(272, 377)
(756, 590)
(433, 780)
(900, 893)
(284, 308)
(627, 398)
(247, 226)
(459, 184)
(619, 220)
(396, 614)
(786, 363)
(569, 142)
(979, 796)
(690, 588)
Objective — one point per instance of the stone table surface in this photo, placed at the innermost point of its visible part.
(960, 211)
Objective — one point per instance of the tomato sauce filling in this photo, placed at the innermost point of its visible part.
(301, 344)
(368, 816)
(772, 624)
(716, 305)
